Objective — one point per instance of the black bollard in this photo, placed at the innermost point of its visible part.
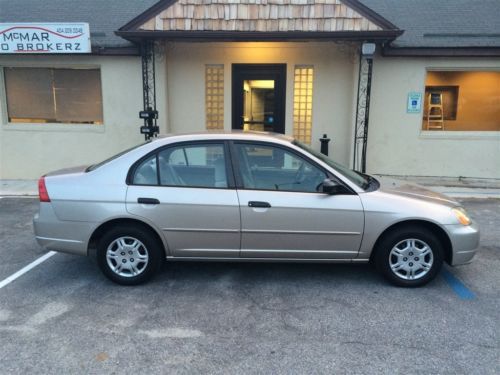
(324, 144)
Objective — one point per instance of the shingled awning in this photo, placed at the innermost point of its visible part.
(259, 20)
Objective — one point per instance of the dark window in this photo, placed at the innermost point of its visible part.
(44, 95)
(274, 168)
(200, 165)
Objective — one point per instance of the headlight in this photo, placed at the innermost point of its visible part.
(461, 215)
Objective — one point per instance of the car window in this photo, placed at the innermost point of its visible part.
(146, 173)
(360, 179)
(200, 165)
(265, 167)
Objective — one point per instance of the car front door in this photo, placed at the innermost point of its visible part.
(283, 215)
(187, 190)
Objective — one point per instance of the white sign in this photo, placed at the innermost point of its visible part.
(44, 38)
(414, 102)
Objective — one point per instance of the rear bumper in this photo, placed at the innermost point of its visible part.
(464, 242)
(64, 236)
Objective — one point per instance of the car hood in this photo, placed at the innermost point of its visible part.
(411, 190)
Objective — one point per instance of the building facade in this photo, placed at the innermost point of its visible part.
(392, 98)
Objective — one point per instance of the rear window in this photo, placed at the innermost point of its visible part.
(93, 167)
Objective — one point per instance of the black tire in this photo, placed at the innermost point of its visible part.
(405, 264)
(147, 244)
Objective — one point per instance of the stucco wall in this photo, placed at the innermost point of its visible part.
(397, 145)
(29, 150)
(334, 84)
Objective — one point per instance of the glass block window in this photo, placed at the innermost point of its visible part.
(302, 103)
(214, 96)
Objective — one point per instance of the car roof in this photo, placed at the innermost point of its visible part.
(224, 135)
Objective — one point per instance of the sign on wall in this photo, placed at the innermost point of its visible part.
(414, 102)
(44, 38)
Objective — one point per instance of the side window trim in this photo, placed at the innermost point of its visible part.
(239, 180)
(227, 159)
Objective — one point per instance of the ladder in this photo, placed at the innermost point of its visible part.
(435, 114)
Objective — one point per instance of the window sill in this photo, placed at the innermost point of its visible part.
(54, 127)
(443, 134)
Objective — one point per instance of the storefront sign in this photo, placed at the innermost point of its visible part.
(44, 38)
(414, 102)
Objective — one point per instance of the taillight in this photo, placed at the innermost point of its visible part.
(42, 190)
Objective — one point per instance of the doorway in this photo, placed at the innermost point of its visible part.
(258, 97)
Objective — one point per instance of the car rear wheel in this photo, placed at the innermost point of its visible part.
(409, 257)
(129, 255)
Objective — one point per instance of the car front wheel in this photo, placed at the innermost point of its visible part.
(129, 255)
(409, 257)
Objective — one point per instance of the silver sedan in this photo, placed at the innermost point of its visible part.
(246, 197)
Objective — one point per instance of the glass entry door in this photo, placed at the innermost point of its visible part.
(258, 97)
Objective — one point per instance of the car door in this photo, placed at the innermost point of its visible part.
(282, 213)
(187, 190)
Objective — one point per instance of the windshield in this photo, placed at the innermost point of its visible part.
(95, 166)
(360, 179)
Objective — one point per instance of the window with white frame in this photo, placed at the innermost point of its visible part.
(53, 95)
(302, 103)
(462, 101)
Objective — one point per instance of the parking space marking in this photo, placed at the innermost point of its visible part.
(458, 287)
(23, 270)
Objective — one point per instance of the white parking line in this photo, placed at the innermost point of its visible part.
(23, 270)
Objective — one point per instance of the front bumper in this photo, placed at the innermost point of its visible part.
(464, 242)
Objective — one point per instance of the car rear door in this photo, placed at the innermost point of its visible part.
(282, 213)
(187, 190)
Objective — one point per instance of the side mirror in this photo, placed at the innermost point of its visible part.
(331, 187)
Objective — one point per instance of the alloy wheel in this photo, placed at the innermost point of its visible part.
(411, 259)
(127, 256)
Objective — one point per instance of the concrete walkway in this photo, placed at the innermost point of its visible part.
(456, 188)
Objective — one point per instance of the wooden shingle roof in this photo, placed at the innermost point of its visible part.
(259, 20)
(259, 16)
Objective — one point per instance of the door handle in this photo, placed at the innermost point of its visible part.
(148, 201)
(259, 204)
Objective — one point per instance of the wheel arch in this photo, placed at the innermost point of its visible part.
(104, 227)
(433, 227)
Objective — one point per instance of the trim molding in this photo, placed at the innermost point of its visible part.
(146, 15)
(370, 14)
(201, 230)
(300, 232)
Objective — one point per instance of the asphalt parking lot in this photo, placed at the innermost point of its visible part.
(63, 316)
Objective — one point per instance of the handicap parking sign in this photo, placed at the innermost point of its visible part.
(414, 102)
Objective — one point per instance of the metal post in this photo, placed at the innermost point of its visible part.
(324, 144)
(362, 112)
(149, 113)
(367, 115)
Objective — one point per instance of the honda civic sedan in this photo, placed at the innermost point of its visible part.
(246, 197)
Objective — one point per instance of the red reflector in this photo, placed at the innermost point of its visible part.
(42, 190)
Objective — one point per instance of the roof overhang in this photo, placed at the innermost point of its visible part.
(116, 51)
(391, 51)
(252, 36)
